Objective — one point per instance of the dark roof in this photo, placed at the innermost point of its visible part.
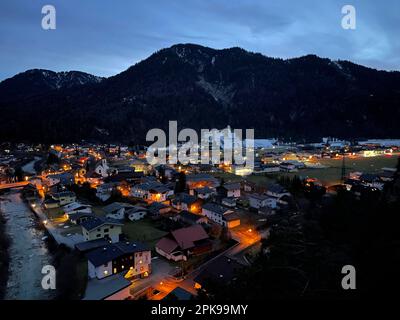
(366, 177)
(115, 206)
(77, 215)
(157, 206)
(186, 215)
(215, 208)
(92, 244)
(204, 190)
(276, 188)
(97, 222)
(178, 293)
(221, 269)
(185, 198)
(63, 194)
(231, 186)
(112, 251)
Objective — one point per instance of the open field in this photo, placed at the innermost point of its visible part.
(258, 179)
(143, 231)
(327, 176)
(332, 174)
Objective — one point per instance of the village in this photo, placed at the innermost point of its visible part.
(157, 232)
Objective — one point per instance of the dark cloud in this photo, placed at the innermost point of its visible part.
(106, 37)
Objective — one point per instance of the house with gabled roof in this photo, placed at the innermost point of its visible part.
(183, 243)
(98, 228)
(131, 258)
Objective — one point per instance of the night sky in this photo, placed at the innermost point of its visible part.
(106, 37)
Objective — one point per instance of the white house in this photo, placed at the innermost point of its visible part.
(132, 258)
(230, 190)
(223, 216)
(136, 213)
(277, 191)
(98, 228)
(258, 201)
(117, 210)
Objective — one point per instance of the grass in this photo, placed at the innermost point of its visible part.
(332, 174)
(54, 213)
(327, 176)
(257, 179)
(143, 231)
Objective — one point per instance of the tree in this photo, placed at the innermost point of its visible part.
(180, 185)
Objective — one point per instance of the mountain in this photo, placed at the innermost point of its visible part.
(40, 81)
(300, 98)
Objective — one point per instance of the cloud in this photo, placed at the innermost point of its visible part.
(105, 37)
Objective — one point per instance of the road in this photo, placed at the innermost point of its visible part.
(13, 185)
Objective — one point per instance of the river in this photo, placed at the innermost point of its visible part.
(28, 252)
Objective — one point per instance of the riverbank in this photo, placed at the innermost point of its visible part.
(4, 256)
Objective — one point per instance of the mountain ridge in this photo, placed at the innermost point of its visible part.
(201, 87)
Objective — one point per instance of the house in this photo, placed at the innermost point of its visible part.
(104, 191)
(59, 199)
(183, 243)
(179, 294)
(288, 167)
(221, 215)
(277, 191)
(229, 202)
(221, 270)
(62, 178)
(76, 206)
(117, 210)
(258, 201)
(151, 191)
(201, 180)
(184, 201)
(114, 258)
(136, 213)
(50, 203)
(79, 217)
(372, 181)
(94, 178)
(229, 190)
(140, 165)
(204, 193)
(192, 218)
(157, 208)
(98, 228)
(87, 246)
(166, 171)
(270, 168)
(30, 192)
(159, 193)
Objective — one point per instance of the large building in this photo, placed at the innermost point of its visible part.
(113, 258)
